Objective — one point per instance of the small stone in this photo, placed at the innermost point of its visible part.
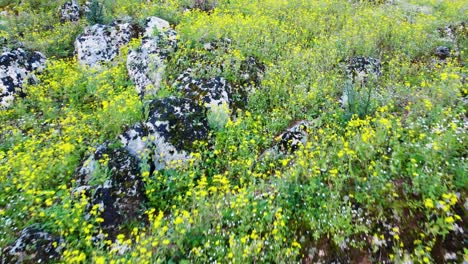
(70, 11)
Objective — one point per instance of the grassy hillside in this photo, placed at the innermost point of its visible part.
(381, 178)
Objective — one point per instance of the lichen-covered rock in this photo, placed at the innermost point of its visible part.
(169, 133)
(209, 92)
(101, 43)
(455, 34)
(33, 246)
(361, 69)
(146, 64)
(121, 196)
(70, 11)
(17, 68)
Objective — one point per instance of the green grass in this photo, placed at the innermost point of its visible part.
(383, 181)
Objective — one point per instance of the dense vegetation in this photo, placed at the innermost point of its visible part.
(381, 179)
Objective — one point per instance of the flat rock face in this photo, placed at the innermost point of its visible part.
(33, 246)
(168, 134)
(101, 43)
(70, 11)
(122, 195)
(146, 64)
(16, 68)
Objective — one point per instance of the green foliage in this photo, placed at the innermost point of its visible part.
(382, 178)
(95, 15)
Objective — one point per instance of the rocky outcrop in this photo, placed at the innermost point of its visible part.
(208, 92)
(146, 64)
(17, 68)
(167, 137)
(33, 246)
(101, 43)
(70, 11)
(121, 196)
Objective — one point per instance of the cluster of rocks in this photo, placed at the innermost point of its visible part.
(17, 68)
(164, 139)
(111, 177)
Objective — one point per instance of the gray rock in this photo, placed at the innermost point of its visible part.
(101, 43)
(17, 67)
(167, 137)
(209, 92)
(288, 142)
(146, 64)
(294, 137)
(122, 195)
(33, 246)
(361, 69)
(70, 11)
